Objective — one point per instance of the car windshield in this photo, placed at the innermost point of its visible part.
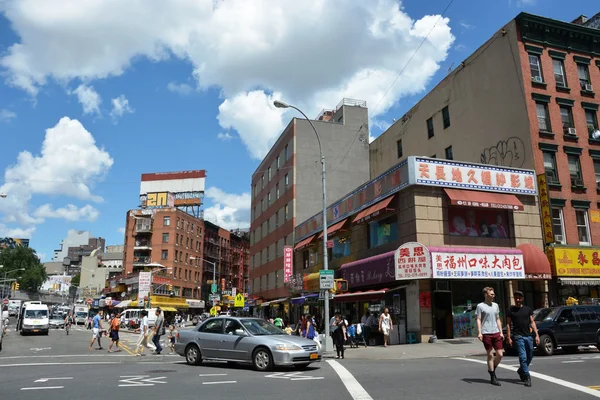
(542, 314)
(259, 327)
(36, 314)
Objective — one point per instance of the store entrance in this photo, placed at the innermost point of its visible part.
(442, 314)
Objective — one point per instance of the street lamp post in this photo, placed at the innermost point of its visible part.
(280, 104)
(5, 278)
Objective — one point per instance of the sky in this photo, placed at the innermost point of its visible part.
(93, 93)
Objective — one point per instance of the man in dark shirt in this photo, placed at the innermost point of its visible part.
(520, 324)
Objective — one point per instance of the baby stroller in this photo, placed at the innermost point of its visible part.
(354, 339)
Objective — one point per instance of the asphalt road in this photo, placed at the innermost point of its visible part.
(58, 365)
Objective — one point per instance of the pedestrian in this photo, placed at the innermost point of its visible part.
(519, 325)
(172, 336)
(158, 328)
(339, 336)
(385, 326)
(489, 332)
(142, 342)
(278, 322)
(365, 327)
(96, 328)
(115, 324)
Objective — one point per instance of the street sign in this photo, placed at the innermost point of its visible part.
(214, 297)
(233, 291)
(239, 300)
(213, 288)
(211, 282)
(89, 301)
(5, 301)
(330, 244)
(226, 293)
(326, 279)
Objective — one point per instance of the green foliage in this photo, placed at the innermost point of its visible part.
(75, 280)
(33, 274)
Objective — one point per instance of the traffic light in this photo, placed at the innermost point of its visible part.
(17, 285)
(341, 285)
(170, 287)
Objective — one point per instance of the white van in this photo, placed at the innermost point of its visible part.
(35, 318)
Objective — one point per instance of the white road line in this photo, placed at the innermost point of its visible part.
(573, 361)
(352, 386)
(307, 378)
(217, 382)
(548, 378)
(52, 379)
(69, 355)
(137, 384)
(43, 388)
(50, 364)
(212, 374)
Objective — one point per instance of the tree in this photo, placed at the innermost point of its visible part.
(34, 273)
(75, 280)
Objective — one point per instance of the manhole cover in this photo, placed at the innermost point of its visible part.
(160, 371)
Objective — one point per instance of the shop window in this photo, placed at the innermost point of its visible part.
(341, 247)
(583, 227)
(383, 231)
(558, 225)
(471, 222)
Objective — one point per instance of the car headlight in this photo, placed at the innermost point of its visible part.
(287, 347)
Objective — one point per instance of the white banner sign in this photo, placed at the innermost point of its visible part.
(413, 261)
(144, 280)
(469, 265)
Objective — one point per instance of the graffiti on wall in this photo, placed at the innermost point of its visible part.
(506, 153)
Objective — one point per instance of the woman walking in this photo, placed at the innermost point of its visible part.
(339, 336)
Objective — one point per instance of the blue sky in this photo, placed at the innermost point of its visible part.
(92, 94)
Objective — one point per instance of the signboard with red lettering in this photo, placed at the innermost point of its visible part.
(413, 261)
(447, 173)
(288, 263)
(477, 265)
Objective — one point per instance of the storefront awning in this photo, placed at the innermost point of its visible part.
(301, 299)
(304, 242)
(473, 198)
(536, 262)
(171, 309)
(265, 304)
(123, 304)
(374, 209)
(278, 301)
(164, 301)
(310, 282)
(332, 230)
(579, 281)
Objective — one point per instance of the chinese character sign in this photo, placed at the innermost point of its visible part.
(412, 261)
(576, 262)
(467, 265)
(473, 222)
(144, 280)
(288, 263)
(433, 172)
(545, 208)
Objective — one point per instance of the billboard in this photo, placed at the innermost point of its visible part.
(186, 187)
(477, 222)
(11, 243)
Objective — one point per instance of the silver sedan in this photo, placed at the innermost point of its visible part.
(246, 340)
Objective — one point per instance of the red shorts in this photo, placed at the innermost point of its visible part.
(492, 341)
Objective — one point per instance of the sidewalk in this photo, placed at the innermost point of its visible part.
(440, 349)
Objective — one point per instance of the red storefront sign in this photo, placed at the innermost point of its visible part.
(288, 263)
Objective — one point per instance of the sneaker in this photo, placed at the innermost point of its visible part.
(528, 381)
(521, 375)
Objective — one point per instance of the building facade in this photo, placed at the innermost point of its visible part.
(286, 186)
(525, 99)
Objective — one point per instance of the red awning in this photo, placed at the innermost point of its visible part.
(375, 208)
(304, 242)
(334, 228)
(473, 198)
(536, 263)
(360, 296)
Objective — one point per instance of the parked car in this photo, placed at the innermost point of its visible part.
(246, 340)
(567, 327)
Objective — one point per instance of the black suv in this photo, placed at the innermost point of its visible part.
(568, 327)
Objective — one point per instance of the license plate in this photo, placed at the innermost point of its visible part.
(36, 330)
(314, 356)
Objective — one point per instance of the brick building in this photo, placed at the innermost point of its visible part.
(525, 99)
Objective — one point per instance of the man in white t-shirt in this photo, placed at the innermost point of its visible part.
(489, 331)
(142, 342)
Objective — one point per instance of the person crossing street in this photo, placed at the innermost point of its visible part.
(489, 331)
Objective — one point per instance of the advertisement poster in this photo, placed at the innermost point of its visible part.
(143, 286)
(412, 261)
(471, 222)
(476, 264)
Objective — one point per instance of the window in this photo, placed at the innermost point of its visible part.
(255, 190)
(276, 218)
(254, 213)
(550, 166)
(181, 240)
(566, 315)
(341, 247)
(262, 182)
(231, 326)
(559, 72)
(584, 77)
(277, 163)
(575, 170)
(269, 174)
(449, 155)
(592, 121)
(212, 326)
(383, 231)
(558, 225)
(165, 238)
(286, 180)
(446, 117)
(536, 69)
(430, 132)
(286, 155)
(399, 148)
(166, 221)
(262, 205)
(269, 199)
(543, 117)
(164, 254)
(176, 253)
(268, 227)
(277, 191)
(287, 212)
(176, 239)
(583, 228)
(566, 115)
(597, 171)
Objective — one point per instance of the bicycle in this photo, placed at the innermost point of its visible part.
(67, 327)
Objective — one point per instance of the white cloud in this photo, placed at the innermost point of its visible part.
(230, 211)
(121, 230)
(465, 25)
(180, 88)
(120, 107)
(355, 49)
(41, 256)
(70, 213)
(225, 136)
(20, 233)
(460, 47)
(371, 139)
(526, 3)
(7, 115)
(69, 164)
(88, 98)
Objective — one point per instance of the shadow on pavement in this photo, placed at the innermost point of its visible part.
(248, 367)
(487, 381)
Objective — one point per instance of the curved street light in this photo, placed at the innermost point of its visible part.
(281, 104)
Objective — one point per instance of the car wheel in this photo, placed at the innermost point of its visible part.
(546, 345)
(301, 366)
(571, 349)
(262, 360)
(192, 355)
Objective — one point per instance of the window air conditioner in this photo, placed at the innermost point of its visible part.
(576, 182)
(571, 131)
(588, 87)
(536, 79)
